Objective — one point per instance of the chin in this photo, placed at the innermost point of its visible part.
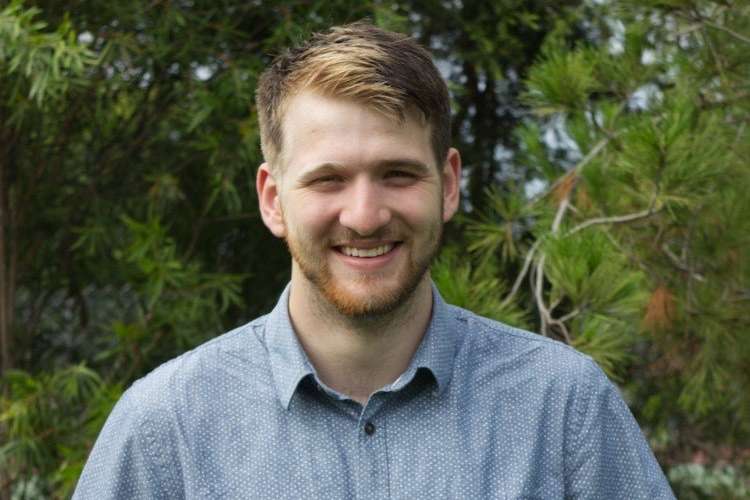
(368, 300)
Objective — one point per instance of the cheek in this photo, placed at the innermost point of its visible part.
(418, 207)
(309, 215)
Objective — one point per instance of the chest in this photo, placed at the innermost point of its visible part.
(424, 447)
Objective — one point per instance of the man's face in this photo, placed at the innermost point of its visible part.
(359, 200)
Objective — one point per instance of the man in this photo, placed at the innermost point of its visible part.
(362, 382)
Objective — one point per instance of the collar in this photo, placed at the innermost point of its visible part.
(289, 364)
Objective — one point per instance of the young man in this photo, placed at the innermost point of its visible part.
(362, 382)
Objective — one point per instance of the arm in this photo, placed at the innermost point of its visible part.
(608, 456)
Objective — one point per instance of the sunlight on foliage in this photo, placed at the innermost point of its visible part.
(49, 62)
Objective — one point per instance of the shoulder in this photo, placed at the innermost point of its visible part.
(160, 416)
(201, 372)
(490, 345)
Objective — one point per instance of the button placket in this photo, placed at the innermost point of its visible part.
(372, 470)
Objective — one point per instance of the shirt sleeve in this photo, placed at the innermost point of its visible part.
(608, 455)
(126, 461)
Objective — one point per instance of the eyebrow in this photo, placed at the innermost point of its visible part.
(410, 163)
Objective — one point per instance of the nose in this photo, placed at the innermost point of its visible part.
(364, 209)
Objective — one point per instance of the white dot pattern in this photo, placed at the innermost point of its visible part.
(483, 411)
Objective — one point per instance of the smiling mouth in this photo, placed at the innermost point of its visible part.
(366, 253)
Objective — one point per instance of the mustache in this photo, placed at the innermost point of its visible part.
(348, 235)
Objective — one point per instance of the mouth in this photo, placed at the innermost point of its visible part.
(367, 253)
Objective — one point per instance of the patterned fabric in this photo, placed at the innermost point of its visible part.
(483, 411)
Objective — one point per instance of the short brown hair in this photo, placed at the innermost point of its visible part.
(387, 71)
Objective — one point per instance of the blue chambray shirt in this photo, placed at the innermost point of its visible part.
(483, 411)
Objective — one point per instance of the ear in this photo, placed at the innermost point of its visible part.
(268, 201)
(451, 183)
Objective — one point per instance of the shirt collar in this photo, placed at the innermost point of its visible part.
(437, 351)
(289, 364)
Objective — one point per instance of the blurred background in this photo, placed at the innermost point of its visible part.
(606, 151)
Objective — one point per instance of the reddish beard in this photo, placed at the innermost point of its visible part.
(315, 268)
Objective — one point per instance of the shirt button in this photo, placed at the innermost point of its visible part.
(369, 428)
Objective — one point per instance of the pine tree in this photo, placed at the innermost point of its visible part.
(636, 249)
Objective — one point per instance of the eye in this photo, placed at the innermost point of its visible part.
(399, 173)
(327, 179)
(400, 177)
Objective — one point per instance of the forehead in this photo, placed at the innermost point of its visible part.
(317, 129)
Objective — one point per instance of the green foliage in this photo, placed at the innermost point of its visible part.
(533, 152)
(42, 65)
(697, 482)
(587, 269)
(128, 149)
(636, 252)
(475, 288)
(46, 416)
(488, 238)
(561, 82)
(607, 339)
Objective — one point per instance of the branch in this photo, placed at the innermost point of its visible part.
(546, 314)
(679, 264)
(537, 278)
(572, 314)
(699, 19)
(584, 161)
(522, 274)
(593, 152)
(564, 329)
(543, 311)
(554, 305)
(614, 219)
(738, 36)
(561, 209)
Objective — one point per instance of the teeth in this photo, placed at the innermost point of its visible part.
(366, 252)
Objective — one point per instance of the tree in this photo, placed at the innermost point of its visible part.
(128, 148)
(636, 249)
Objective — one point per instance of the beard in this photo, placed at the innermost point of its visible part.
(379, 300)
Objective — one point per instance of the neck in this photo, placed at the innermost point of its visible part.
(358, 355)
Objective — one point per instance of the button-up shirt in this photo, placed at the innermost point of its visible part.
(483, 411)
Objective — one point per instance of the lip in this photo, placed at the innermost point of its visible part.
(365, 244)
(368, 263)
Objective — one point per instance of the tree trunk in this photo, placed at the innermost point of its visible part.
(8, 250)
(5, 485)
(5, 287)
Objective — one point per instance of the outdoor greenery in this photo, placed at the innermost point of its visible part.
(605, 146)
